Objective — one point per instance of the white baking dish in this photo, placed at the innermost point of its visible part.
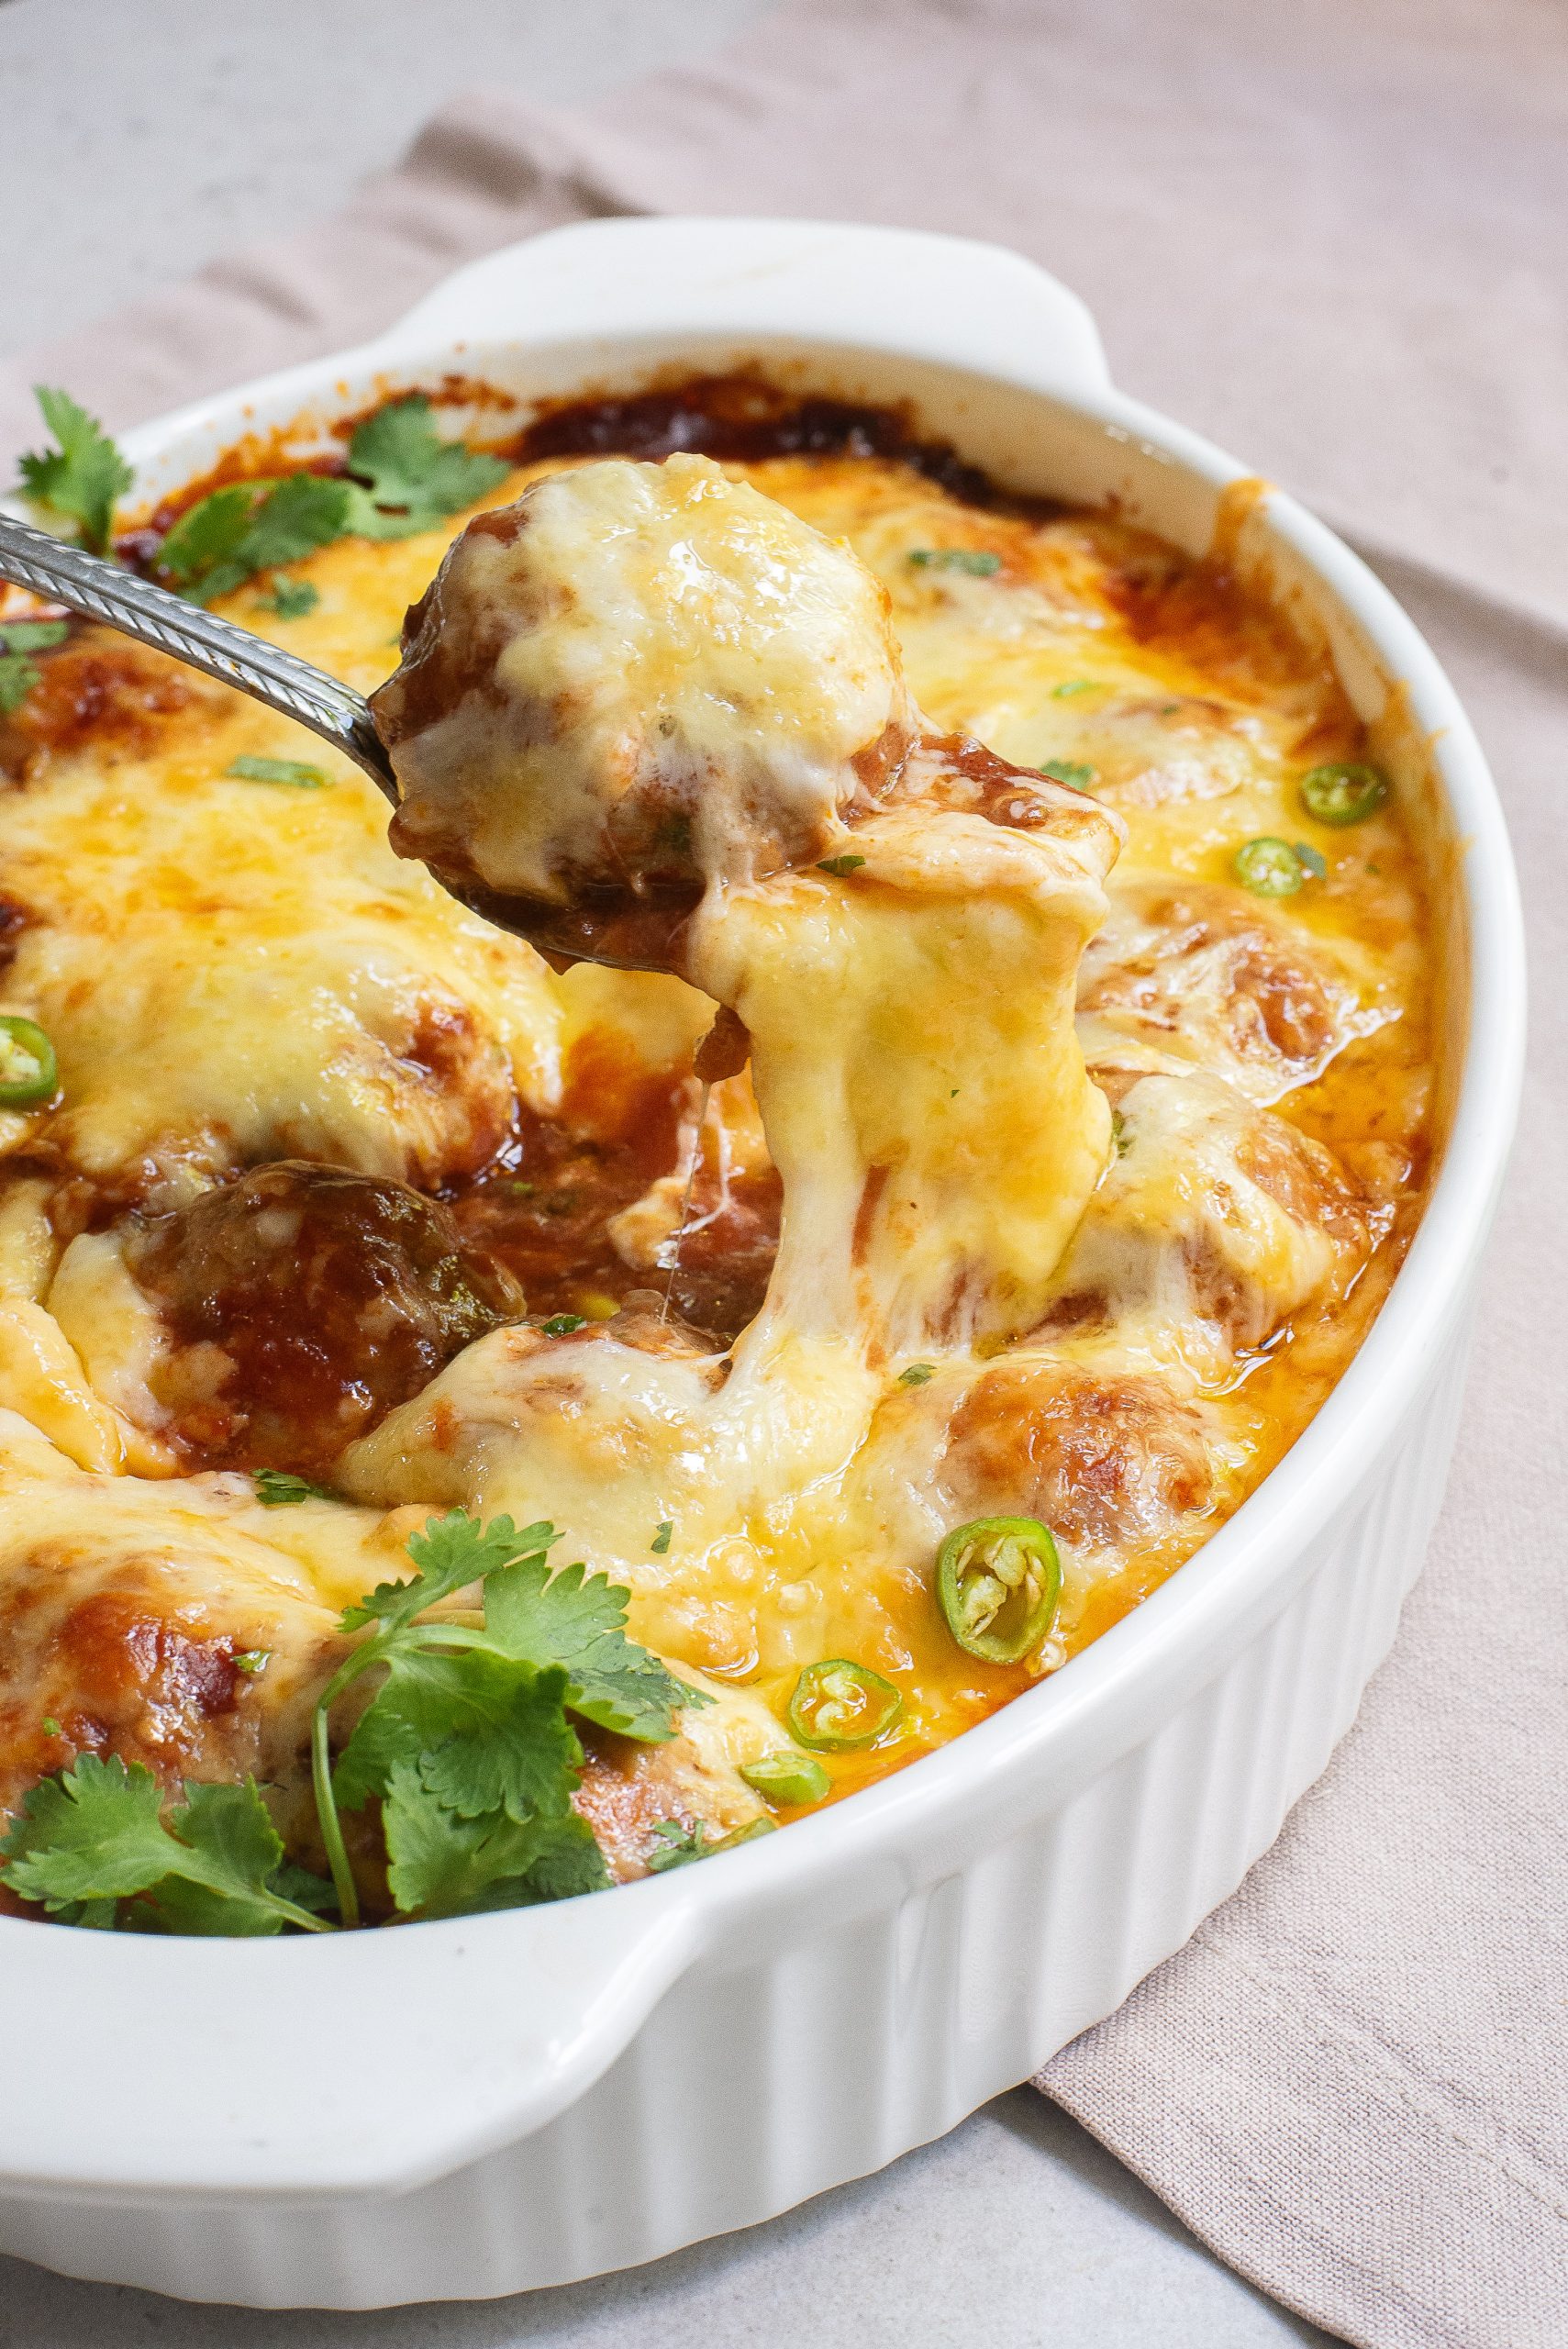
(470, 2108)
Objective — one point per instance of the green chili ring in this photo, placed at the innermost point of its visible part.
(839, 1706)
(1345, 794)
(1269, 867)
(998, 1583)
(29, 1072)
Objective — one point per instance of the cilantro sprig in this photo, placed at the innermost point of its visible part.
(467, 1740)
(77, 480)
(467, 1743)
(401, 478)
(95, 1836)
(248, 527)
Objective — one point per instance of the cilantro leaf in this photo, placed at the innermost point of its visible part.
(411, 477)
(307, 511)
(19, 675)
(571, 1863)
(231, 1826)
(452, 1552)
(276, 1488)
(442, 1866)
(292, 599)
(208, 535)
(96, 1833)
(486, 1733)
(576, 1620)
(32, 635)
(1071, 771)
(80, 478)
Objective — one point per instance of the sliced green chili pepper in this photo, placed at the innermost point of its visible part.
(1270, 868)
(998, 1581)
(29, 1072)
(786, 1778)
(1346, 794)
(839, 1706)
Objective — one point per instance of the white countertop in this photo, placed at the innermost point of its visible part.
(141, 138)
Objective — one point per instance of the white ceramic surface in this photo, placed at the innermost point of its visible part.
(568, 2089)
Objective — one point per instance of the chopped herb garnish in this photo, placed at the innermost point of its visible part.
(561, 1325)
(50, 1726)
(291, 771)
(679, 1846)
(841, 865)
(32, 635)
(1071, 771)
(252, 1660)
(917, 1375)
(971, 559)
(518, 1188)
(79, 479)
(292, 599)
(1119, 1134)
(276, 1488)
(1072, 685)
(661, 1542)
(18, 675)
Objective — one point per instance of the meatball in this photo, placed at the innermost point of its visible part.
(1105, 1459)
(303, 1303)
(638, 678)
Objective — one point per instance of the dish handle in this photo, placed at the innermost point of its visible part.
(943, 299)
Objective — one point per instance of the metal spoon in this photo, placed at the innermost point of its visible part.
(102, 591)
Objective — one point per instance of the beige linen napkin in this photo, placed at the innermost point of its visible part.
(1336, 237)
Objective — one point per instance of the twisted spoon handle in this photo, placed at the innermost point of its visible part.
(102, 591)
